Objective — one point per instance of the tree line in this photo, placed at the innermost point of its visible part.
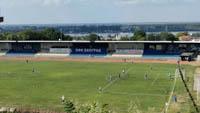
(140, 35)
(52, 34)
(47, 34)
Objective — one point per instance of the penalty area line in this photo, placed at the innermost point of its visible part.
(136, 94)
(109, 84)
(155, 79)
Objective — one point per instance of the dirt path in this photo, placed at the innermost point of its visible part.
(95, 60)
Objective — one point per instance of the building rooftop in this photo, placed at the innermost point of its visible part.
(56, 41)
(187, 54)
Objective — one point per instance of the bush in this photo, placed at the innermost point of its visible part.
(87, 108)
(69, 107)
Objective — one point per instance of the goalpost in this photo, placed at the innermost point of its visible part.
(198, 89)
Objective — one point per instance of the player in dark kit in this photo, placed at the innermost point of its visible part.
(33, 70)
(151, 68)
(145, 76)
(127, 74)
(119, 76)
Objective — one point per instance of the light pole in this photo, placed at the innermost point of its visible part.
(61, 34)
(147, 30)
(1, 18)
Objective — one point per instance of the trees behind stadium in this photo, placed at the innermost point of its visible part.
(47, 34)
(93, 37)
(140, 35)
(52, 34)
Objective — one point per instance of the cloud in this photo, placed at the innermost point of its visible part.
(191, 1)
(42, 2)
(53, 2)
(136, 2)
(127, 2)
(11, 3)
(163, 1)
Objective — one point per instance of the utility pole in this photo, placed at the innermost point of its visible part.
(61, 34)
(166, 29)
(147, 36)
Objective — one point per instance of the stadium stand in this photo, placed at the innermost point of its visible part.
(23, 49)
(162, 51)
(145, 49)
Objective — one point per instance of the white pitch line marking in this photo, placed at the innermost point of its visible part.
(155, 79)
(172, 92)
(114, 80)
(135, 94)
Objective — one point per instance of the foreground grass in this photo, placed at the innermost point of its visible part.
(43, 89)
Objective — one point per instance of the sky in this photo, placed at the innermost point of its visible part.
(98, 11)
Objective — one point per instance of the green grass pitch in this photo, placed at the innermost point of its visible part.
(80, 81)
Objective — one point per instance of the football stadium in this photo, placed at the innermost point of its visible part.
(131, 77)
(99, 76)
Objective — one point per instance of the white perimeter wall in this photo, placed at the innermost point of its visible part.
(46, 46)
(60, 50)
(129, 51)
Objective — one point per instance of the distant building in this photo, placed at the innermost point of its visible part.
(195, 39)
(185, 38)
(118, 37)
(109, 38)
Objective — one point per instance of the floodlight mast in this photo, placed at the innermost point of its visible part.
(1, 18)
